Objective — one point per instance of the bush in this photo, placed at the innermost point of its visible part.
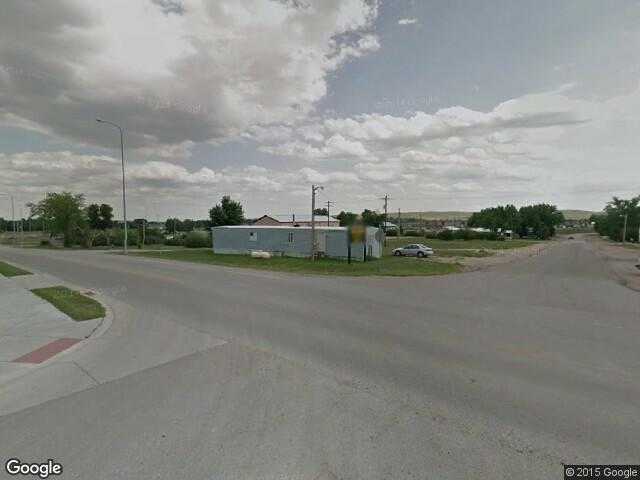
(391, 233)
(153, 236)
(45, 243)
(462, 235)
(445, 235)
(175, 241)
(117, 238)
(197, 240)
(412, 233)
(101, 239)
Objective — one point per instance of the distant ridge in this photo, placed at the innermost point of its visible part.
(457, 215)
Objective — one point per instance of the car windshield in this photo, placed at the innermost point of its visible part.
(204, 210)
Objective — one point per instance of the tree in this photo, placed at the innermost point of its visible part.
(106, 216)
(93, 216)
(322, 212)
(227, 212)
(611, 222)
(188, 225)
(540, 220)
(371, 218)
(172, 225)
(347, 218)
(64, 214)
(100, 217)
(496, 218)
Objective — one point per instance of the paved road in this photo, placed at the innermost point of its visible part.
(476, 375)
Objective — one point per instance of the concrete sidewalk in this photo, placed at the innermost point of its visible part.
(28, 323)
(44, 354)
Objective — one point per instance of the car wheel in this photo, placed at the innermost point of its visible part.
(397, 253)
(420, 254)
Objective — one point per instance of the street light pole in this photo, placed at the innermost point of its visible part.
(13, 215)
(124, 188)
(314, 189)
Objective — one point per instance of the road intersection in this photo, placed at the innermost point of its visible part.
(212, 372)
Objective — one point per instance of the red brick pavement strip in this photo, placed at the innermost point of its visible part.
(47, 351)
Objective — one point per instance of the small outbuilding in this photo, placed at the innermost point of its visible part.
(332, 242)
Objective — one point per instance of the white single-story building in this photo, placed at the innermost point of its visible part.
(333, 242)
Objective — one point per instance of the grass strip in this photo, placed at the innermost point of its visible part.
(386, 266)
(76, 305)
(10, 271)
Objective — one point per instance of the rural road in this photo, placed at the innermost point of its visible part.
(504, 373)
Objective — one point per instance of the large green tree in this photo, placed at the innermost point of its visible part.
(496, 218)
(540, 220)
(227, 212)
(64, 214)
(372, 218)
(100, 217)
(347, 218)
(611, 222)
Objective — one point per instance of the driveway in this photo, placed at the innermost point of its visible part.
(502, 373)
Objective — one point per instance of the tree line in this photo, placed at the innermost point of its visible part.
(538, 221)
(67, 215)
(611, 222)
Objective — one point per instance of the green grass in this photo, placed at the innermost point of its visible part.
(11, 271)
(387, 266)
(77, 306)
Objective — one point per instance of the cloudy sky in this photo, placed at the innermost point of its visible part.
(442, 104)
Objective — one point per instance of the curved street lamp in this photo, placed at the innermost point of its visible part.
(124, 196)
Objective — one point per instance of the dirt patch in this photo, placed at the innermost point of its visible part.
(499, 257)
(621, 260)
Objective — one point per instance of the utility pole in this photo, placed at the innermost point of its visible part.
(399, 223)
(13, 220)
(314, 189)
(329, 203)
(624, 228)
(384, 225)
(13, 215)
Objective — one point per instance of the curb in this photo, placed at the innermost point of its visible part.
(101, 328)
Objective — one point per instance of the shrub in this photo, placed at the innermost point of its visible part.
(117, 239)
(175, 241)
(412, 233)
(445, 235)
(101, 240)
(153, 236)
(197, 240)
(45, 243)
(391, 233)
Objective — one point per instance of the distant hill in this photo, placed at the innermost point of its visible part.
(453, 215)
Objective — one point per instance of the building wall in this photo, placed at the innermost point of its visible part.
(276, 240)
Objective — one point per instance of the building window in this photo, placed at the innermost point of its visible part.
(290, 237)
(253, 236)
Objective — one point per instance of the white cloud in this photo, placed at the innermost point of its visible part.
(407, 21)
(173, 71)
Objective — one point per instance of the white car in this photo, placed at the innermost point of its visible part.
(413, 250)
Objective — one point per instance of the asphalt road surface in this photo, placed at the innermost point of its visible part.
(503, 373)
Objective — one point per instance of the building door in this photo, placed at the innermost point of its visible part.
(322, 242)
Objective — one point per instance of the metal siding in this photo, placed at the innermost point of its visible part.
(276, 240)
